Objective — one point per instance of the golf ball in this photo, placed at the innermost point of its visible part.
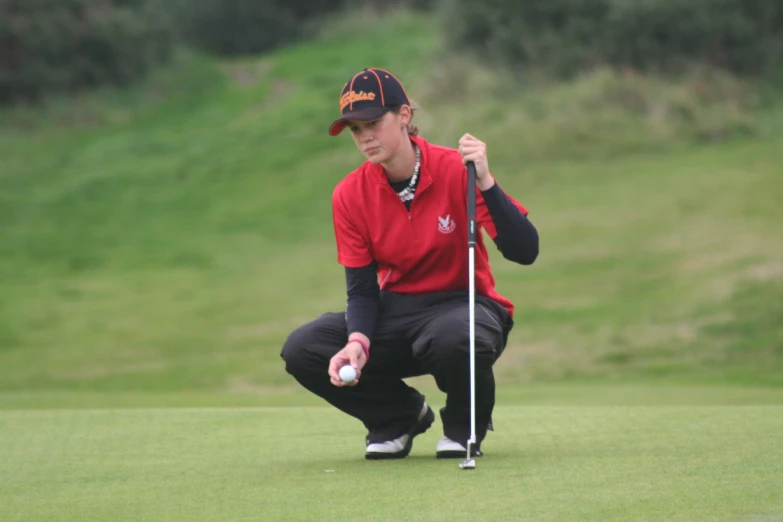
(347, 373)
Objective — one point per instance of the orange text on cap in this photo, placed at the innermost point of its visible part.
(351, 96)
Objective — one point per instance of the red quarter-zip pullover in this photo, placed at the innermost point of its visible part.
(423, 249)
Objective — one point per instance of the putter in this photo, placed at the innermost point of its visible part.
(470, 462)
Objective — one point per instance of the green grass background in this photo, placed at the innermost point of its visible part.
(158, 244)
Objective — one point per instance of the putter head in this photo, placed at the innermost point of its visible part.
(468, 464)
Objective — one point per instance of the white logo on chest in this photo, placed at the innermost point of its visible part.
(446, 225)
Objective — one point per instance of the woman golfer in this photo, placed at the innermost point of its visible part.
(400, 222)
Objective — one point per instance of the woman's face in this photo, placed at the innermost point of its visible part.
(379, 140)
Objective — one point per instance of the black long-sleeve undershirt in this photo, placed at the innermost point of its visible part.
(361, 312)
(516, 239)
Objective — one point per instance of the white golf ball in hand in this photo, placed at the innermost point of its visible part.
(347, 373)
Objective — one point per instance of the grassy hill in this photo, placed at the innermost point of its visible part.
(167, 239)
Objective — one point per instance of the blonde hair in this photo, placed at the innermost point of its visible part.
(412, 129)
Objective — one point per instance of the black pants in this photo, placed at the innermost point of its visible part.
(415, 335)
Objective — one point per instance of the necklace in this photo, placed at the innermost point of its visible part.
(407, 193)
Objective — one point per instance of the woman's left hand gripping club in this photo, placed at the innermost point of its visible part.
(475, 150)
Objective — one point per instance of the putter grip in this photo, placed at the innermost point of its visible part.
(471, 204)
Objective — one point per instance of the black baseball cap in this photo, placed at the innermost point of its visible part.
(367, 96)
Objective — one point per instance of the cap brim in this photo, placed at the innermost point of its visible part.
(368, 114)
